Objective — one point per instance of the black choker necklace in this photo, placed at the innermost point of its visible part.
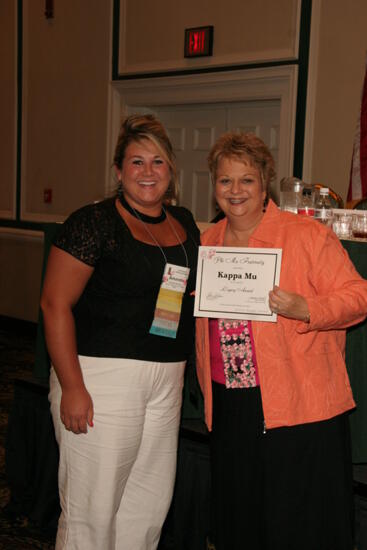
(139, 215)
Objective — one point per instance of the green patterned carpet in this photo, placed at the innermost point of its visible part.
(17, 344)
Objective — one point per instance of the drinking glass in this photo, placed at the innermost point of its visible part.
(342, 225)
(359, 225)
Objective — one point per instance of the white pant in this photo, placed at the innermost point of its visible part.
(116, 481)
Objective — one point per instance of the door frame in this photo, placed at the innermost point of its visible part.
(278, 83)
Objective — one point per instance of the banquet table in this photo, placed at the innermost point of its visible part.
(356, 361)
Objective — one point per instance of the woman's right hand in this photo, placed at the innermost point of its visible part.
(65, 280)
(76, 409)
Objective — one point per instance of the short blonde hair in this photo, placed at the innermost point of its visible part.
(136, 128)
(245, 148)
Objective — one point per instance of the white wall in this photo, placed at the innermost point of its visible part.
(337, 66)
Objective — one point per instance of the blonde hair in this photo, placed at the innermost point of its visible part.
(136, 128)
(243, 147)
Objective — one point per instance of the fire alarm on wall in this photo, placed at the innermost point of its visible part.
(199, 41)
(47, 196)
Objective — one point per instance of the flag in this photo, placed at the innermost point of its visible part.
(358, 173)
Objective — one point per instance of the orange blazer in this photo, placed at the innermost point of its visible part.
(301, 366)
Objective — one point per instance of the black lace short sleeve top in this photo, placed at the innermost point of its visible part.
(116, 309)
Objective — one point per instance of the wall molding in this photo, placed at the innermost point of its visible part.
(211, 63)
(8, 214)
(311, 91)
(232, 60)
(41, 217)
(11, 233)
(24, 188)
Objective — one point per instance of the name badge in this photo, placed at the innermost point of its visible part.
(169, 302)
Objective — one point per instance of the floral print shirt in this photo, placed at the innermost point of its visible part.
(232, 353)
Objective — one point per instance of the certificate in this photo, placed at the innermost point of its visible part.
(234, 283)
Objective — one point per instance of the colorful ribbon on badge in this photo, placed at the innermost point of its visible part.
(169, 302)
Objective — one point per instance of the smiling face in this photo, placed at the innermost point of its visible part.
(145, 177)
(239, 190)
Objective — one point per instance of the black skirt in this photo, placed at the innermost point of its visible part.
(282, 489)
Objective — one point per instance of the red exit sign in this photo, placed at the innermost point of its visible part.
(199, 41)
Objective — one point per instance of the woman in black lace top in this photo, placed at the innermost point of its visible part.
(117, 308)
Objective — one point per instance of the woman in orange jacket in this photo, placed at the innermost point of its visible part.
(276, 394)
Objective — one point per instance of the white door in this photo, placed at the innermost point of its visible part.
(193, 129)
(259, 117)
